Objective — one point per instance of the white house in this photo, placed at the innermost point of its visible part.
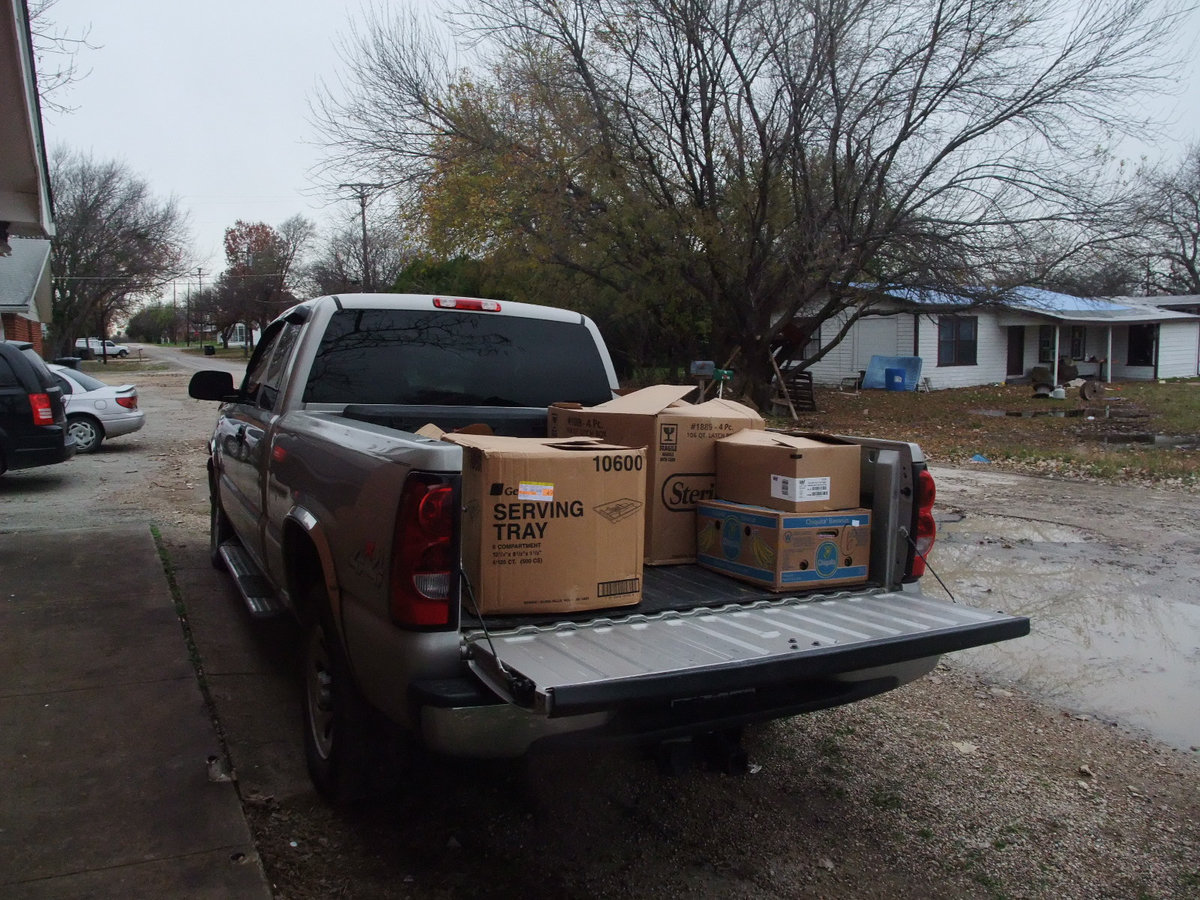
(962, 344)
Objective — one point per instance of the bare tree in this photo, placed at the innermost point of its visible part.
(56, 52)
(115, 245)
(339, 265)
(1170, 241)
(760, 159)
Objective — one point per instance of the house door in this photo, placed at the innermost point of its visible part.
(1016, 350)
(1143, 341)
(875, 336)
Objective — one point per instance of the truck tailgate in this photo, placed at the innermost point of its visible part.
(577, 667)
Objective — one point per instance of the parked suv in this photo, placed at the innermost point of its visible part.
(102, 348)
(33, 420)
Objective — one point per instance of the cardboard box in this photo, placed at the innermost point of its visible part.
(790, 472)
(784, 551)
(551, 526)
(681, 464)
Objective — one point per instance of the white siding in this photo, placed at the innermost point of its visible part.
(839, 362)
(991, 354)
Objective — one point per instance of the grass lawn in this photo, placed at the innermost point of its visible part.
(1109, 438)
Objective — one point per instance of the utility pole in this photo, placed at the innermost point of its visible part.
(187, 315)
(362, 190)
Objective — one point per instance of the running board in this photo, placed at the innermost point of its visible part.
(261, 601)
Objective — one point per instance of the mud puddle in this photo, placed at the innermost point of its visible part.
(1115, 631)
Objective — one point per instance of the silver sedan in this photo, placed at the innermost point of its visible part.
(96, 410)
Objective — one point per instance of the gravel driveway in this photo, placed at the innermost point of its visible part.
(960, 785)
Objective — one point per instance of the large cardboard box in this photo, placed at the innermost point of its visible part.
(681, 464)
(790, 472)
(784, 551)
(551, 526)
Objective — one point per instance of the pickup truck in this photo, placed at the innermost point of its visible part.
(102, 348)
(327, 505)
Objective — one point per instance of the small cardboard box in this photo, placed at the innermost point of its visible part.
(790, 472)
(681, 464)
(784, 551)
(551, 526)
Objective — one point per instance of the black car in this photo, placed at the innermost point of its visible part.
(33, 421)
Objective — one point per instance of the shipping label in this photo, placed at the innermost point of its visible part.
(798, 490)
(535, 490)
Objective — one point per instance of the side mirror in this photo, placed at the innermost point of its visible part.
(212, 385)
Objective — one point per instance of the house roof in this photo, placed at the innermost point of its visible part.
(25, 279)
(1168, 301)
(24, 176)
(1095, 310)
(1050, 305)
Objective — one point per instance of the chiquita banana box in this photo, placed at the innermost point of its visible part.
(784, 551)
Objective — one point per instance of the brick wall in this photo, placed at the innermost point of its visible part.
(18, 328)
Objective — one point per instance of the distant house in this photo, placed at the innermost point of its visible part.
(962, 344)
(25, 298)
(26, 213)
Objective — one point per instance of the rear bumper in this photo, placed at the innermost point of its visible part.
(502, 730)
(115, 427)
(55, 447)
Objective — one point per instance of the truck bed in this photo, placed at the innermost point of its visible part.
(680, 588)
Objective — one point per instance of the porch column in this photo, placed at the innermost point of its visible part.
(1108, 354)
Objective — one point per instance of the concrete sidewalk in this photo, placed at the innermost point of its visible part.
(104, 735)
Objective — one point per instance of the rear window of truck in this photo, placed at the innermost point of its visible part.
(421, 357)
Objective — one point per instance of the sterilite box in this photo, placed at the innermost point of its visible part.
(681, 464)
(784, 551)
(551, 526)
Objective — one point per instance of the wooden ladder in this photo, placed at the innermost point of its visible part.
(795, 390)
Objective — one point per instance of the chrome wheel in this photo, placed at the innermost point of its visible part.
(318, 684)
(87, 433)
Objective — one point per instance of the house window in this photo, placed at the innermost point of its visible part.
(958, 338)
(1046, 343)
(1078, 342)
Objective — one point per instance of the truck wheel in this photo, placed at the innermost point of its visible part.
(219, 530)
(338, 737)
(87, 433)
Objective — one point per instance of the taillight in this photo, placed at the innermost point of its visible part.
(926, 531)
(466, 303)
(43, 413)
(128, 402)
(423, 563)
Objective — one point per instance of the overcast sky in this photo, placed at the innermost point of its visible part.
(208, 101)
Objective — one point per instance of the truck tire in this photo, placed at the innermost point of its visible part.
(219, 529)
(339, 737)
